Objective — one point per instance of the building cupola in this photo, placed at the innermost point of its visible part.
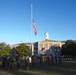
(46, 35)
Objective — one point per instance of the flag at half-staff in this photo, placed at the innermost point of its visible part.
(34, 27)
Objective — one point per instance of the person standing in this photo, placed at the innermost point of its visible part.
(27, 62)
(41, 61)
(18, 63)
(33, 63)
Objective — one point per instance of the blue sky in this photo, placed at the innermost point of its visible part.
(57, 17)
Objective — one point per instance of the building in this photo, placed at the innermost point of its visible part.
(45, 47)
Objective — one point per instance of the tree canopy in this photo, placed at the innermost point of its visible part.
(4, 48)
(69, 48)
(23, 50)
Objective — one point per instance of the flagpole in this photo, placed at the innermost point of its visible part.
(31, 33)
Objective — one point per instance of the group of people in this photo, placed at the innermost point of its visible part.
(9, 61)
(48, 60)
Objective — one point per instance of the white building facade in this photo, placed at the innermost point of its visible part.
(46, 47)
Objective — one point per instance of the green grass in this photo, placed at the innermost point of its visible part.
(66, 68)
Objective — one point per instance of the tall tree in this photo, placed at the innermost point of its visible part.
(4, 48)
(23, 50)
(69, 48)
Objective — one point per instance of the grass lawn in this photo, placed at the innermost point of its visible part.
(66, 68)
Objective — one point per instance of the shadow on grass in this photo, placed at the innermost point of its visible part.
(5, 71)
(66, 68)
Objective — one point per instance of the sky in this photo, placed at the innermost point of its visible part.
(57, 17)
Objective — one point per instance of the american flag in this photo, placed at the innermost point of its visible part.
(34, 27)
(43, 48)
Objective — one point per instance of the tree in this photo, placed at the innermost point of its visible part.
(69, 48)
(4, 48)
(64, 50)
(23, 50)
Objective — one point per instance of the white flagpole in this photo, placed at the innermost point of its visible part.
(31, 33)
